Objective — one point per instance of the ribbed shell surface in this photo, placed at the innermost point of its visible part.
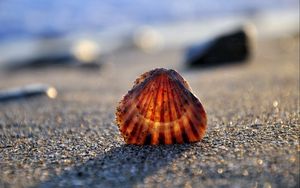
(161, 109)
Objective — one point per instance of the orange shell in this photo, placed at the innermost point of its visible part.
(161, 109)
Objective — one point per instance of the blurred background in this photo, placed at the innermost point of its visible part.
(39, 31)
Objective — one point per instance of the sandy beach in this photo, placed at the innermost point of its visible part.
(72, 141)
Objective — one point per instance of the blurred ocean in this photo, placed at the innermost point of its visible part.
(31, 29)
(23, 19)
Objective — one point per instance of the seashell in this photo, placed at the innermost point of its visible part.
(161, 109)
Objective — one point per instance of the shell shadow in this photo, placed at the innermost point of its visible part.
(123, 166)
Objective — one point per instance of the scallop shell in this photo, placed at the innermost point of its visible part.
(161, 109)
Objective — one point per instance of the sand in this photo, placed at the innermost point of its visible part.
(72, 141)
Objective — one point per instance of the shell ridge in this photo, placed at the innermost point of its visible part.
(194, 129)
(184, 129)
(129, 127)
(155, 133)
(140, 136)
(173, 136)
(142, 77)
(154, 105)
(146, 132)
(133, 131)
(184, 135)
(130, 113)
(141, 115)
(182, 98)
(181, 80)
(141, 97)
(200, 121)
(163, 132)
(124, 103)
(147, 117)
(168, 134)
(145, 103)
(169, 102)
(174, 103)
(134, 136)
(124, 125)
(162, 109)
(187, 96)
(130, 108)
(176, 122)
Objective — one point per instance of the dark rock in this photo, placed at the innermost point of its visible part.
(233, 47)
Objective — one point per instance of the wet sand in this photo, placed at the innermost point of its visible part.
(252, 138)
